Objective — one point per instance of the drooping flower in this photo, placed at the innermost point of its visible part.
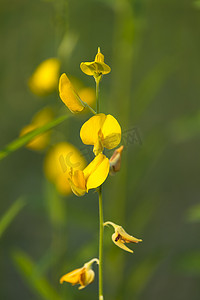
(57, 162)
(120, 237)
(96, 68)
(82, 276)
(69, 96)
(44, 80)
(115, 161)
(91, 177)
(101, 131)
(41, 118)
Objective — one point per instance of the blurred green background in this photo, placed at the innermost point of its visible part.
(153, 49)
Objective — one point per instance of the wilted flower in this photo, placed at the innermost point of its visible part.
(101, 131)
(45, 78)
(96, 68)
(115, 161)
(120, 237)
(41, 118)
(82, 276)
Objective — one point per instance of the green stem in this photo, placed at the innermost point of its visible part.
(90, 108)
(97, 95)
(101, 227)
(100, 244)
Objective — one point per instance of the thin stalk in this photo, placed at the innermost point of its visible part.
(90, 108)
(101, 227)
(100, 244)
(97, 96)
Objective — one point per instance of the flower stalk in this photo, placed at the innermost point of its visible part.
(101, 221)
(101, 228)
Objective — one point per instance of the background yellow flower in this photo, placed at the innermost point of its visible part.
(44, 80)
(57, 161)
(41, 118)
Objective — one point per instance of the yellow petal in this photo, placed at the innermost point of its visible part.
(78, 179)
(117, 241)
(69, 96)
(111, 131)
(90, 129)
(97, 171)
(99, 57)
(72, 277)
(77, 182)
(98, 145)
(94, 68)
(86, 278)
(76, 190)
(127, 237)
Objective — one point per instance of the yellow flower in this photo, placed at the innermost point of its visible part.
(91, 177)
(115, 161)
(45, 78)
(69, 96)
(82, 276)
(96, 68)
(120, 237)
(101, 131)
(41, 118)
(57, 162)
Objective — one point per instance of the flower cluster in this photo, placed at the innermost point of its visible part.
(101, 131)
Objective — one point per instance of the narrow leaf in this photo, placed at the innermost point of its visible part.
(38, 284)
(11, 213)
(23, 140)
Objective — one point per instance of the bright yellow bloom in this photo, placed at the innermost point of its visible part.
(115, 161)
(69, 96)
(58, 161)
(96, 68)
(41, 118)
(120, 237)
(101, 131)
(91, 177)
(45, 78)
(82, 276)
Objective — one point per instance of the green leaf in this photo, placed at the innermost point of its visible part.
(23, 140)
(39, 284)
(9, 216)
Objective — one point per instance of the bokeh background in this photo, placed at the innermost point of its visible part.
(153, 49)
